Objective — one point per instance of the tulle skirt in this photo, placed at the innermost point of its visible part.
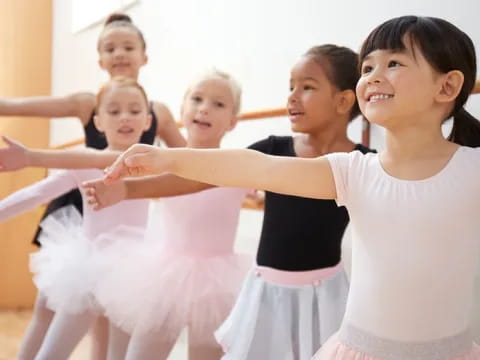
(151, 289)
(271, 321)
(67, 267)
(354, 344)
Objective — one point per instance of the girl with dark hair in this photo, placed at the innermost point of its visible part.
(122, 52)
(413, 207)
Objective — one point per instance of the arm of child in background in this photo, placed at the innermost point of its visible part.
(36, 194)
(79, 105)
(16, 156)
(167, 128)
(234, 168)
(100, 195)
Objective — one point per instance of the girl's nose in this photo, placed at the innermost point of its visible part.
(204, 108)
(292, 98)
(375, 77)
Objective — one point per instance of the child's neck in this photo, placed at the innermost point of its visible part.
(323, 142)
(133, 77)
(113, 147)
(413, 142)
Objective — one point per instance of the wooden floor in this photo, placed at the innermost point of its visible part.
(14, 323)
(12, 327)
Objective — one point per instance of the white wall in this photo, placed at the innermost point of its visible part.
(257, 41)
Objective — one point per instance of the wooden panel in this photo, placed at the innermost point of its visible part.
(25, 45)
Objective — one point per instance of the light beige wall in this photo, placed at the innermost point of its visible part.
(25, 63)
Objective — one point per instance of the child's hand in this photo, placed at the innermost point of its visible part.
(14, 156)
(138, 160)
(99, 195)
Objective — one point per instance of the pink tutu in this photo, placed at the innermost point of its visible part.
(150, 289)
(458, 347)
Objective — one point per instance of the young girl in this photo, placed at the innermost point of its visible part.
(416, 72)
(294, 299)
(197, 274)
(66, 268)
(279, 313)
(122, 52)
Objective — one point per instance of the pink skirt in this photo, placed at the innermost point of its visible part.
(150, 289)
(351, 343)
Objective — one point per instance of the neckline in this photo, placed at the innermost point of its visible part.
(292, 147)
(438, 174)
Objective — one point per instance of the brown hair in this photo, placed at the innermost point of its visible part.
(118, 20)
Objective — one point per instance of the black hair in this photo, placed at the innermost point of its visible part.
(123, 20)
(341, 67)
(446, 48)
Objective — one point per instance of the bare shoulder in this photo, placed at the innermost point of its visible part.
(84, 103)
(161, 111)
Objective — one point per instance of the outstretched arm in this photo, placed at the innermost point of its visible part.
(101, 195)
(15, 156)
(235, 168)
(79, 105)
(36, 194)
(167, 128)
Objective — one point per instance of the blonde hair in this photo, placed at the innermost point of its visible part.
(233, 84)
(119, 82)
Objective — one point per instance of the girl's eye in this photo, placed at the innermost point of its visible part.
(366, 69)
(113, 112)
(219, 104)
(129, 48)
(196, 99)
(394, 63)
(307, 87)
(135, 112)
(291, 88)
(109, 50)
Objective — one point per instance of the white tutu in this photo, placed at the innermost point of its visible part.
(67, 267)
(62, 268)
(150, 289)
(283, 322)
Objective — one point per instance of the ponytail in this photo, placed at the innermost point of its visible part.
(466, 129)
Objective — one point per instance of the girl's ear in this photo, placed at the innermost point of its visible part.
(345, 101)
(97, 123)
(145, 59)
(451, 84)
(233, 122)
(100, 63)
(148, 122)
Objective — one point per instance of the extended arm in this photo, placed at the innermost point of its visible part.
(235, 168)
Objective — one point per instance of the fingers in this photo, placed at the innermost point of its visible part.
(7, 140)
(10, 142)
(91, 194)
(136, 161)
